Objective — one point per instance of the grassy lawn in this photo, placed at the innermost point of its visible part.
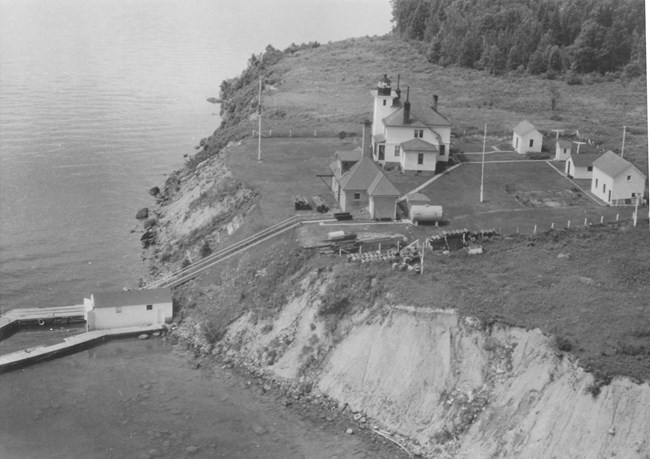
(458, 192)
(288, 167)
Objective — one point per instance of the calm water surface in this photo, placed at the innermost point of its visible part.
(99, 100)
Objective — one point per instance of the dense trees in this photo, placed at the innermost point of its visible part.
(536, 36)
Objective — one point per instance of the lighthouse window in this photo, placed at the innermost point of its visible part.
(357, 196)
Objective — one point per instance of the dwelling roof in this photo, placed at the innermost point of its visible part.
(565, 143)
(524, 128)
(421, 115)
(360, 176)
(132, 297)
(612, 164)
(349, 155)
(584, 159)
(381, 186)
(419, 145)
(379, 138)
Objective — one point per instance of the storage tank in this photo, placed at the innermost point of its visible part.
(425, 213)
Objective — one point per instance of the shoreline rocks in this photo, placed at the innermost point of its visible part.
(142, 214)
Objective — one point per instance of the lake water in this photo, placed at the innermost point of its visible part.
(99, 100)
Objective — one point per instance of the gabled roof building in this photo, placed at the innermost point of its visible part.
(396, 124)
(616, 180)
(364, 185)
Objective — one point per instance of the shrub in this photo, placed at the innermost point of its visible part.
(205, 249)
(563, 344)
(633, 70)
(573, 79)
(185, 263)
(343, 135)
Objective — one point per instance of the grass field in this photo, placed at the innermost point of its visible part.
(327, 88)
(587, 285)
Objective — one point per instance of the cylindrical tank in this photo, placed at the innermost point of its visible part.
(335, 235)
(425, 213)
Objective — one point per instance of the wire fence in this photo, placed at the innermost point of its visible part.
(555, 223)
(304, 132)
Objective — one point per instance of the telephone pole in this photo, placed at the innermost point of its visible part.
(259, 124)
(483, 161)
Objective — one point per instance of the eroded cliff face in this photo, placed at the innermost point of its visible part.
(451, 385)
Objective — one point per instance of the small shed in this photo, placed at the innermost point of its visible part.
(128, 308)
(563, 150)
(616, 180)
(382, 198)
(581, 166)
(525, 138)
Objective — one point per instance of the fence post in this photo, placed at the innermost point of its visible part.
(535, 230)
(517, 230)
(601, 219)
(586, 221)
(314, 132)
(289, 132)
(380, 246)
(616, 217)
(568, 225)
(270, 132)
(553, 225)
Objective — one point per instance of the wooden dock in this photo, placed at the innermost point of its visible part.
(15, 318)
(70, 345)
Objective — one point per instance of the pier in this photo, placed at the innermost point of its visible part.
(12, 320)
(15, 318)
(70, 345)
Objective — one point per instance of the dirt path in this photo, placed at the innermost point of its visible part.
(139, 399)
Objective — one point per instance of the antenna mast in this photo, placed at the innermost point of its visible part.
(259, 124)
(483, 161)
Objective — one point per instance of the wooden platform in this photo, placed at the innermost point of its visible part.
(14, 318)
(70, 345)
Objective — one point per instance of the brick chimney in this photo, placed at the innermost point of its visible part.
(407, 108)
(435, 102)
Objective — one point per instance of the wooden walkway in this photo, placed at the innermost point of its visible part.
(14, 318)
(70, 345)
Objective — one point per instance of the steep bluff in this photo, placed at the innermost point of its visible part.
(450, 385)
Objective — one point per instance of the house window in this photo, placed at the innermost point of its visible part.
(634, 195)
(442, 150)
(384, 102)
(596, 183)
(150, 307)
(396, 150)
(118, 309)
(603, 187)
(531, 142)
(380, 156)
(629, 178)
(420, 158)
(516, 142)
(590, 168)
(418, 133)
(357, 196)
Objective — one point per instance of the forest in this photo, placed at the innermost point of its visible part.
(550, 37)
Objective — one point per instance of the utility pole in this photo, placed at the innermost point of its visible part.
(578, 143)
(557, 134)
(623, 146)
(483, 161)
(259, 124)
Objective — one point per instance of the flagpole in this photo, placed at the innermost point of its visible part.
(483, 161)
(259, 124)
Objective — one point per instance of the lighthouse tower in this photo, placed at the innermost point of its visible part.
(386, 102)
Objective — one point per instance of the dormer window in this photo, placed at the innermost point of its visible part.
(629, 178)
(418, 133)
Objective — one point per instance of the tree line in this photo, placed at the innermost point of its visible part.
(537, 36)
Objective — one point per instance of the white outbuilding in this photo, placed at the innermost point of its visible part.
(616, 180)
(526, 139)
(128, 308)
